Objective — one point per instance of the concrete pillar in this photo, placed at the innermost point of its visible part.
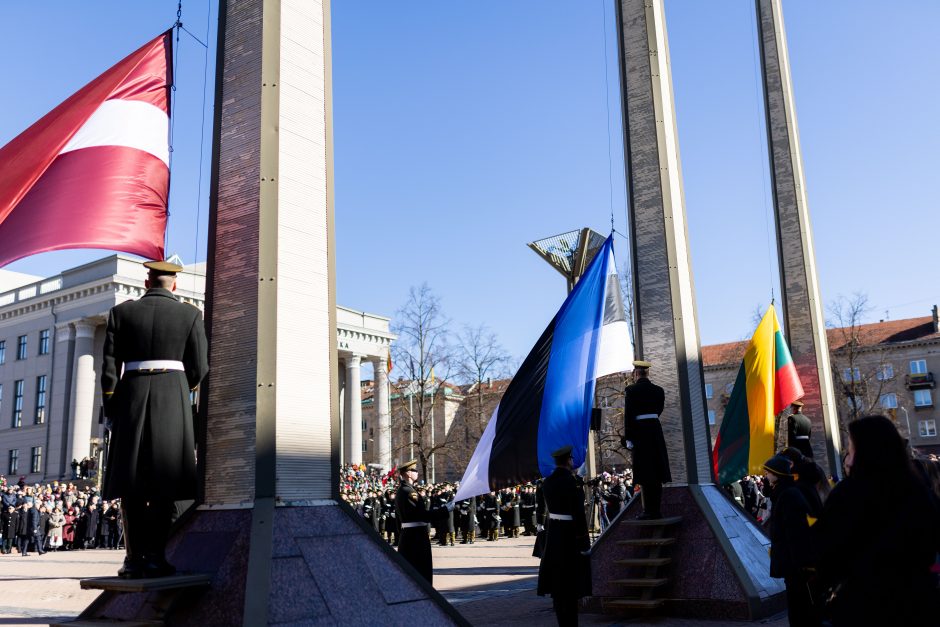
(353, 425)
(341, 403)
(83, 391)
(60, 403)
(383, 417)
(802, 305)
(667, 327)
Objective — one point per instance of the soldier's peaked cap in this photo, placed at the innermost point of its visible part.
(797, 403)
(163, 267)
(562, 453)
(409, 465)
(642, 364)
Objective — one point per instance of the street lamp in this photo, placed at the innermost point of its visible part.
(907, 419)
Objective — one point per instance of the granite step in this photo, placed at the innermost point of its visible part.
(647, 542)
(641, 582)
(110, 622)
(637, 604)
(173, 582)
(644, 561)
(654, 522)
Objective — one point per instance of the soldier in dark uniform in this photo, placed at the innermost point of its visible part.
(643, 403)
(565, 572)
(392, 529)
(371, 510)
(799, 428)
(491, 516)
(413, 516)
(161, 345)
(527, 510)
(467, 509)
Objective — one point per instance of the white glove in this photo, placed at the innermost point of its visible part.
(539, 528)
(629, 445)
(449, 505)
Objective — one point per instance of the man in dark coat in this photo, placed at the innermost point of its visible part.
(614, 497)
(161, 345)
(467, 515)
(527, 510)
(799, 428)
(413, 516)
(9, 520)
(565, 572)
(643, 403)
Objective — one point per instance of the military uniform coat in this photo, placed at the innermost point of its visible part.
(650, 457)
(799, 428)
(564, 571)
(152, 447)
(414, 544)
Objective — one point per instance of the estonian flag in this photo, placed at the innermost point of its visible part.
(548, 403)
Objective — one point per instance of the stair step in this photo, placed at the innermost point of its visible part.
(639, 604)
(644, 561)
(641, 583)
(110, 622)
(654, 522)
(117, 584)
(647, 542)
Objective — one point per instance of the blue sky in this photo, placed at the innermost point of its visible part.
(465, 130)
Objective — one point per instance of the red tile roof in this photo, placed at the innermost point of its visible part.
(888, 332)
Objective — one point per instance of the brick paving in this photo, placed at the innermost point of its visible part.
(490, 583)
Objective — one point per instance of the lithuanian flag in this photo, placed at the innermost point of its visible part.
(766, 384)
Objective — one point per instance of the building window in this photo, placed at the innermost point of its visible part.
(21, 347)
(885, 372)
(364, 425)
(36, 462)
(40, 400)
(44, 342)
(919, 366)
(922, 398)
(729, 388)
(711, 416)
(365, 445)
(855, 403)
(18, 404)
(14, 464)
(889, 401)
(709, 391)
(927, 428)
(851, 374)
(3, 351)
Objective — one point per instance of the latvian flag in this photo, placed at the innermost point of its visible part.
(548, 403)
(767, 383)
(94, 172)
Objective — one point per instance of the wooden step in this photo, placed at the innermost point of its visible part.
(644, 561)
(637, 604)
(117, 584)
(655, 522)
(110, 622)
(640, 583)
(647, 542)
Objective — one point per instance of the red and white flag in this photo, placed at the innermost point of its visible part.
(94, 172)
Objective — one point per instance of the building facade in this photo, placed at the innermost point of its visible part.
(51, 343)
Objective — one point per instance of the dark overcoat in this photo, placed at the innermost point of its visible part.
(650, 457)
(564, 571)
(152, 447)
(414, 544)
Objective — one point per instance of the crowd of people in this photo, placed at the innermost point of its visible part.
(56, 517)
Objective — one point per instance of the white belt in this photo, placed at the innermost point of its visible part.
(802, 437)
(647, 416)
(154, 364)
(560, 516)
(413, 524)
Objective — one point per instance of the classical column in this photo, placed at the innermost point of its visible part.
(84, 380)
(60, 403)
(802, 306)
(353, 431)
(383, 418)
(667, 328)
(341, 401)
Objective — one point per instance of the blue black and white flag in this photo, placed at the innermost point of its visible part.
(548, 403)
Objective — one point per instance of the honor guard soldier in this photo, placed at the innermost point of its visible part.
(643, 403)
(414, 544)
(160, 346)
(565, 571)
(799, 428)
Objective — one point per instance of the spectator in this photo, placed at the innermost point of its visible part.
(56, 523)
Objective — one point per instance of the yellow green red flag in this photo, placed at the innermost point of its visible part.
(766, 384)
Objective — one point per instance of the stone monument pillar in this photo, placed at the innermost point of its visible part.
(802, 306)
(271, 532)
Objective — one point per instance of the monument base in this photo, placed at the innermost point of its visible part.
(720, 560)
(326, 566)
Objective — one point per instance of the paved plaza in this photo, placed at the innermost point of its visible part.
(490, 583)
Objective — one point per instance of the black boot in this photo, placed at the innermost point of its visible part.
(133, 564)
(159, 522)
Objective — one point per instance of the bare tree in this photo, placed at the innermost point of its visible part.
(862, 375)
(626, 286)
(424, 355)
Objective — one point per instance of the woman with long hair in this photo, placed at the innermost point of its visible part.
(877, 534)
